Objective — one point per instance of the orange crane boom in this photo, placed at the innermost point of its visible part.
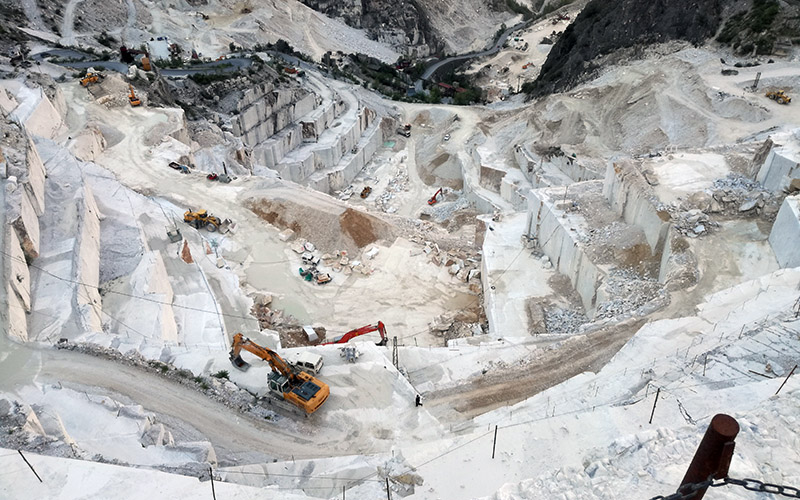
(379, 327)
(295, 386)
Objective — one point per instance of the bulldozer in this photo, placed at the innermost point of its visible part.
(201, 218)
(779, 96)
(91, 78)
(285, 382)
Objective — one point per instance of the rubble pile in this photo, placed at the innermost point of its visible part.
(397, 184)
(220, 390)
(445, 211)
(682, 271)
(692, 223)
(628, 293)
(271, 319)
(736, 194)
(466, 323)
(463, 264)
(563, 321)
(17, 424)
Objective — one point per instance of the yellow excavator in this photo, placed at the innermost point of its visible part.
(284, 381)
(135, 101)
(201, 218)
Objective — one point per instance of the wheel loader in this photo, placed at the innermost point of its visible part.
(201, 218)
(91, 78)
(779, 96)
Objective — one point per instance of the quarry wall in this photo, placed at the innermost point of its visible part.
(554, 171)
(633, 199)
(87, 262)
(305, 138)
(23, 201)
(785, 235)
(782, 163)
(564, 251)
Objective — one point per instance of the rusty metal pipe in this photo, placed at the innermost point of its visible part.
(713, 456)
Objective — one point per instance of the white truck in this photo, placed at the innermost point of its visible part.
(308, 362)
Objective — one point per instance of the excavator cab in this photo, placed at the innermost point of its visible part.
(277, 383)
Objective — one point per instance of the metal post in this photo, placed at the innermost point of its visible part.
(658, 391)
(494, 444)
(395, 358)
(211, 474)
(713, 456)
(786, 380)
(31, 466)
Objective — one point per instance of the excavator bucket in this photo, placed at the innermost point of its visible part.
(239, 363)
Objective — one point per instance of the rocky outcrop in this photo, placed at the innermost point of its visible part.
(23, 201)
(605, 27)
(399, 24)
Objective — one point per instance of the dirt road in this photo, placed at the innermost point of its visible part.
(230, 433)
(579, 354)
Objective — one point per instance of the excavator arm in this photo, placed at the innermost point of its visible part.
(433, 199)
(379, 327)
(277, 363)
(297, 387)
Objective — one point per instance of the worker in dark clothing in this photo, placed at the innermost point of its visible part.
(419, 400)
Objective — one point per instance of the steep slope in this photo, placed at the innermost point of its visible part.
(604, 27)
(421, 27)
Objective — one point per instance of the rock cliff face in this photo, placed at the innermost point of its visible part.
(604, 27)
(418, 28)
(398, 23)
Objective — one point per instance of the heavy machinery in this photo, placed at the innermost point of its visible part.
(379, 327)
(433, 199)
(223, 177)
(366, 191)
(184, 169)
(135, 101)
(201, 218)
(91, 78)
(285, 382)
(313, 274)
(779, 96)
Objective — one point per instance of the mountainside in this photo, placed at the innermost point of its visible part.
(380, 18)
(603, 27)
(420, 27)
